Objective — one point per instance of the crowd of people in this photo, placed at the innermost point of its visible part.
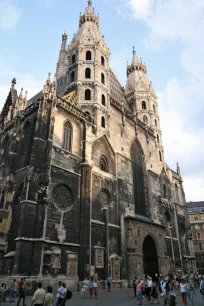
(166, 288)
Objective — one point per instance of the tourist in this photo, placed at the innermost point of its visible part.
(95, 288)
(172, 293)
(91, 287)
(49, 298)
(139, 292)
(191, 289)
(134, 283)
(183, 289)
(59, 292)
(154, 293)
(1, 292)
(109, 281)
(202, 287)
(63, 294)
(13, 291)
(149, 287)
(21, 291)
(39, 296)
(164, 293)
(85, 286)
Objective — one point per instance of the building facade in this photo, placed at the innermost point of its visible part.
(196, 216)
(85, 188)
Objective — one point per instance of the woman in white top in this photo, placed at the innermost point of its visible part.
(183, 289)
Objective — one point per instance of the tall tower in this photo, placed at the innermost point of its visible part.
(88, 68)
(142, 98)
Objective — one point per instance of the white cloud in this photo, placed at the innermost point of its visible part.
(181, 103)
(9, 15)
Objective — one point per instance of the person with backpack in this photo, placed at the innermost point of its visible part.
(63, 295)
(109, 282)
(202, 287)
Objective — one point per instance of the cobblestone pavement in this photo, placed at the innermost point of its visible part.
(119, 298)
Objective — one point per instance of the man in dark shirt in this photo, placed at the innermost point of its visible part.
(21, 287)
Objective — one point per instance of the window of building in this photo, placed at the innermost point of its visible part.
(176, 191)
(200, 246)
(155, 122)
(144, 106)
(195, 218)
(160, 156)
(145, 120)
(87, 113)
(198, 236)
(164, 190)
(72, 76)
(6, 147)
(2, 199)
(102, 61)
(88, 55)
(26, 145)
(104, 164)
(67, 141)
(103, 122)
(103, 100)
(102, 78)
(73, 58)
(197, 226)
(154, 108)
(157, 138)
(88, 94)
(88, 73)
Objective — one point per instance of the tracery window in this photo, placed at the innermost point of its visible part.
(164, 190)
(200, 246)
(154, 109)
(160, 156)
(88, 73)
(155, 122)
(104, 164)
(137, 158)
(145, 120)
(72, 76)
(67, 141)
(87, 94)
(102, 61)
(144, 106)
(103, 122)
(157, 138)
(103, 100)
(198, 235)
(88, 55)
(102, 78)
(73, 58)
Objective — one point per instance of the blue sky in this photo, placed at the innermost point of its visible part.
(167, 34)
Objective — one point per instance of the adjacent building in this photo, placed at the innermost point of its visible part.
(85, 188)
(196, 216)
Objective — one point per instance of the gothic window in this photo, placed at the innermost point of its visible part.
(198, 235)
(102, 61)
(88, 73)
(155, 122)
(2, 199)
(144, 106)
(103, 122)
(102, 78)
(88, 55)
(72, 76)
(164, 190)
(87, 113)
(73, 58)
(104, 164)
(67, 141)
(6, 147)
(167, 217)
(26, 145)
(87, 94)
(103, 100)
(154, 109)
(200, 246)
(157, 138)
(160, 156)
(145, 120)
(176, 191)
(137, 157)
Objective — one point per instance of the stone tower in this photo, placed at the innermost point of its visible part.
(142, 99)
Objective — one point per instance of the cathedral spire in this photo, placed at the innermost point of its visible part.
(134, 58)
(64, 41)
(89, 15)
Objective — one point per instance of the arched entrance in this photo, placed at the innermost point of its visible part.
(150, 257)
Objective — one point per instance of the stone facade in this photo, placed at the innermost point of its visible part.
(85, 188)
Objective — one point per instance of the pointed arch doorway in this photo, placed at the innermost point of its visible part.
(150, 256)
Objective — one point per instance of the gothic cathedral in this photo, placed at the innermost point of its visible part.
(84, 186)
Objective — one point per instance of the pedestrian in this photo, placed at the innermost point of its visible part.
(91, 287)
(149, 287)
(191, 289)
(164, 293)
(139, 292)
(95, 288)
(49, 298)
(109, 281)
(21, 291)
(134, 283)
(59, 292)
(183, 289)
(202, 287)
(86, 285)
(1, 292)
(172, 293)
(39, 296)
(13, 291)
(154, 293)
(63, 294)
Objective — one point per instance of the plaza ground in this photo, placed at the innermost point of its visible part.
(116, 297)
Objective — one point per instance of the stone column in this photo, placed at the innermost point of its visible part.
(106, 240)
(72, 264)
